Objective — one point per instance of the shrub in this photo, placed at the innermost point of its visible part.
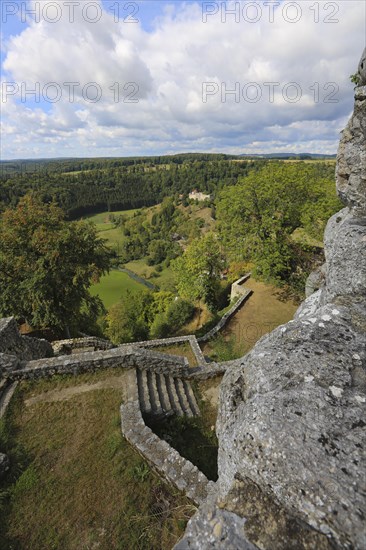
(160, 327)
(179, 313)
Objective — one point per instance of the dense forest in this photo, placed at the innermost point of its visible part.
(84, 186)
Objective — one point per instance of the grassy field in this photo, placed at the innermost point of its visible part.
(75, 482)
(300, 236)
(109, 287)
(112, 286)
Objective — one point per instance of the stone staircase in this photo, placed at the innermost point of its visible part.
(164, 395)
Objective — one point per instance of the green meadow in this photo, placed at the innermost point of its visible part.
(106, 229)
(102, 219)
(112, 286)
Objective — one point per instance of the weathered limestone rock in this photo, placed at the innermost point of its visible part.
(351, 158)
(4, 464)
(216, 529)
(315, 281)
(247, 519)
(345, 253)
(291, 421)
(292, 412)
(362, 68)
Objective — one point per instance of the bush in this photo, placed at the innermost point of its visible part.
(160, 328)
(179, 313)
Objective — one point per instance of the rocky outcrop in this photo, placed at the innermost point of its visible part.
(351, 159)
(362, 69)
(291, 423)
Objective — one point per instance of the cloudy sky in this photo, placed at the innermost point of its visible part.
(119, 78)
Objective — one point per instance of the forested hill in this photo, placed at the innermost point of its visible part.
(83, 186)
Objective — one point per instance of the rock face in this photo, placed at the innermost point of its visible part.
(291, 422)
(351, 159)
(362, 69)
(315, 281)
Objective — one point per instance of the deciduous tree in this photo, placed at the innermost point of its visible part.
(198, 271)
(47, 265)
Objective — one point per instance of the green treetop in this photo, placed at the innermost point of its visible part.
(198, 271)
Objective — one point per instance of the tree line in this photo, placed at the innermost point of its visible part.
(89, 186)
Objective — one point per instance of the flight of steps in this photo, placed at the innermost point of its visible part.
(164, 395)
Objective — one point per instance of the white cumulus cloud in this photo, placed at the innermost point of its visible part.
(185, 85)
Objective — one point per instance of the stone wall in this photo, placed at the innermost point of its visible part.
(23, 347)
(126, 357)
(237, 288)
(165, 460)
(226, 318)
(166, 342)
(7, 390)
(92, 343)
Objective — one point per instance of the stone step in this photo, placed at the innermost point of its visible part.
(153, 393)
(182, 396)
(191, 398)
(144, 396)
(173, 397)
(130, 388)
(163, 393)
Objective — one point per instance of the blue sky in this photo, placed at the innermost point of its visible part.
(235, 77)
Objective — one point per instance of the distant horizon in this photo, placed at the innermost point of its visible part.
(273, 153)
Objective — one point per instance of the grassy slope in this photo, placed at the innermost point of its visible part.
(84, 486)
(102, 219)
(113, 285)
(262, 312)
